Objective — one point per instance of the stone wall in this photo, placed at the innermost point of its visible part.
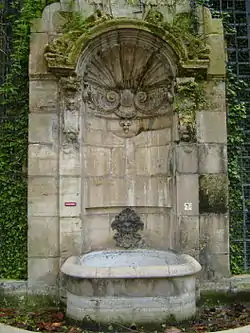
(84, 168)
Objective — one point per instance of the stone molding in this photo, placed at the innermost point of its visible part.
(63, 53)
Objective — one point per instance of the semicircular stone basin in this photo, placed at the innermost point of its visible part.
(131, 286)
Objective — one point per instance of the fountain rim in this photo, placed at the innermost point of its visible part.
(73, 268)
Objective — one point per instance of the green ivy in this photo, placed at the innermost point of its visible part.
(236, 138)
(14, 96)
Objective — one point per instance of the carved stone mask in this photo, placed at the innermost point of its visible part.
(127, 224)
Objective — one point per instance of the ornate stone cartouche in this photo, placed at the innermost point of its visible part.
(127, 225)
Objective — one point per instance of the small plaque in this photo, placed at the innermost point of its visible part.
(70, 203)
(188, 206)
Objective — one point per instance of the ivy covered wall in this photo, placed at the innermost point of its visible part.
(13, 143)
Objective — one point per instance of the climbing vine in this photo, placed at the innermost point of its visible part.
(13, 148)
(236, 138)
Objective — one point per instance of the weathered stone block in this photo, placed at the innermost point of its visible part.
(43, 270)
(70, 164)
(160, 231)
(151, 191)
(211, 25)
(187, 194)
(97, 221)
(100, 239)
(42, 160)
(97, 233)
(215, 91)
(43, 96)
(186, 158)
(213, 193)
(70, 191)
(43, 237)
(217, 64)
(214, 233)
(43, 128)
(97, 161)
(70, 224)
(121, 163)
(106, 192)
(211, 127)
(93, 137)
(70, 237)
(102, 138)
(42, 196)
(154, 161)
(215, 266)
(189, 235)
(93, 123)
(212, 158)
(70, 244)
(128, 191)
(153, 138)
(37, 62)
(111, 140)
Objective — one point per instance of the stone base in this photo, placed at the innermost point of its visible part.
(128, 310)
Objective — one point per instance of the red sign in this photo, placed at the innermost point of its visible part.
(70, 203)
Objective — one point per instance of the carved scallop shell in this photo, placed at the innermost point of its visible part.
(129, 80)
(128, 67)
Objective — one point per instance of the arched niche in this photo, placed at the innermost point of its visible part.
(128, 77)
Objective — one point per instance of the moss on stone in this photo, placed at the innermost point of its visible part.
(210, 298)
(184, 22)
(28, 302)
(78, 31)
(213, 193)
(189, 99)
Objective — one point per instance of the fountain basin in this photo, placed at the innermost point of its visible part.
(131, 286)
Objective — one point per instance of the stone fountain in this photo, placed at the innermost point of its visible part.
(127, 151)
(139, 286)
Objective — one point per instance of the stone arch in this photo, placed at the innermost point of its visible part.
(63, 53)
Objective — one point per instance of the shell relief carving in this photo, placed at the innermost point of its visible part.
(128, 82)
